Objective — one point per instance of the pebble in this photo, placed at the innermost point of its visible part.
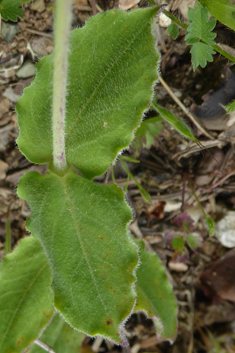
(4, 107)
(41, 46)
(8, 31)
(38, 5)
(26, 70)
(5, 136)
(9, 93)
(225, 230)
(178, 266)
(3, 168)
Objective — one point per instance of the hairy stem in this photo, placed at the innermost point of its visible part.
(63, 16)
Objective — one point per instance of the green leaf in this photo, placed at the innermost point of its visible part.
(26, 304)
(230, 107)
(154, 294)
(152, 125)
(144, 136)
(200, 29)
(60, 337)
(180, 255)
(201, 54)
(149, 141)
(177, 243)
(222, 10)
(194, 240)
(10, 10)
(200, 26)
(211, 225)
(112, 69)
(83, 229)
(25, 1)
(173, 30)
(178, 124)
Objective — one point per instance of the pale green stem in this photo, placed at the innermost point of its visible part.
(8, 237)
(8, 232)
(197, 199)
(44, 346)
(63, 16)
(112, 173)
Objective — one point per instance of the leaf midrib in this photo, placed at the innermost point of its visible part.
(66, 193)
(103, 78)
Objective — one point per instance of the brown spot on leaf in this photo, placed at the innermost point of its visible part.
(109, 322)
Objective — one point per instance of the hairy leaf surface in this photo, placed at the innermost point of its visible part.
(60, 337)
(82, 226)
(11, 10)
(112, 69)
(154, 294)
(26, 304)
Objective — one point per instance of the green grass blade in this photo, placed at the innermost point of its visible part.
(143, 192)
(177, 123)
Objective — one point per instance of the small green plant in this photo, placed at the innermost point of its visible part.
(11, 9)
(177, 241)
(144, 135)
(200, 34)
(200, 29)
(79, 114)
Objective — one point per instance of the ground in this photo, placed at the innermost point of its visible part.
(173, 170)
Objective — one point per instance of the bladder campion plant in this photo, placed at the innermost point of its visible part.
(80, 112)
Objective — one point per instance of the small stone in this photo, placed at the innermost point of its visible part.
(5, 133)
(178, 266)
(4, 107)
(26, 70)
(8, 31)
(9, 94)
(3, 168)
(38, 5)
(164, 21)
(127, 4)
(225, 230)
(41, 46)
